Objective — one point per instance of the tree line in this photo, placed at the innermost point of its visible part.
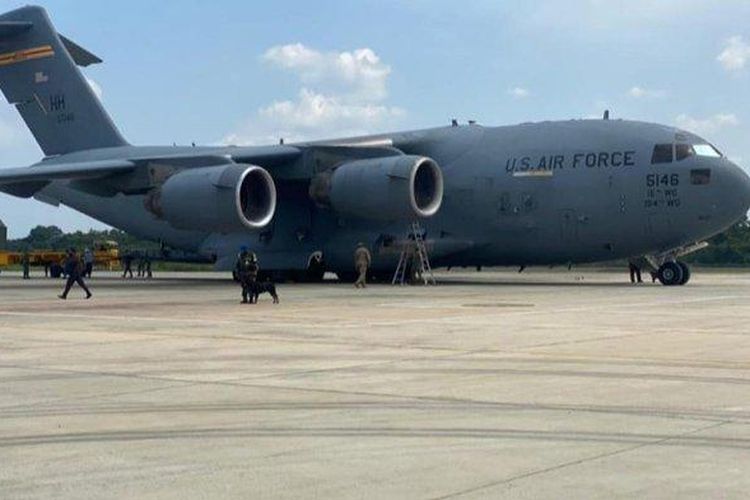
(54, 238)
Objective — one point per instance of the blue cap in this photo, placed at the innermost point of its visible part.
(243, 248)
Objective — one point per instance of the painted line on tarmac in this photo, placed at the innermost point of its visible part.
(116, 318)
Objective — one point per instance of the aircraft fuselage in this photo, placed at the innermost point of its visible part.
(537, 193)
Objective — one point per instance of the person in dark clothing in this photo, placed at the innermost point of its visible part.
(127, 265)
(147, 267)
(246, 270)
(74, 271)
(141, 265)
(25, 263)
(147, 261)
(635, 273)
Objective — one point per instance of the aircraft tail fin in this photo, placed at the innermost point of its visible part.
(38, 75)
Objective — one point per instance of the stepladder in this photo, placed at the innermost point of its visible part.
(414, 261)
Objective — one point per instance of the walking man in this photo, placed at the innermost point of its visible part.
(127, 265)
(362, 261)
(74, 271)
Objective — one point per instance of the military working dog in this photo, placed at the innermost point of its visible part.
(258, 288)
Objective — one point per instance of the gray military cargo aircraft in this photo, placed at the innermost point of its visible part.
(531, 194)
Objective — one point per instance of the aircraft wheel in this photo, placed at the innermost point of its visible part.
(685, 273)
(670, 274)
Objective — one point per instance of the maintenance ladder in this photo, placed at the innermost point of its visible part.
(414, 253)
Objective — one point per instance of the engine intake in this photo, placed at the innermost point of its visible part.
(387, 188)
(223, 199)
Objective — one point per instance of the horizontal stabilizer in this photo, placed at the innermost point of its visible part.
(81, 56)
(9, 29)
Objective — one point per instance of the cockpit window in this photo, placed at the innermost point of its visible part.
(667, 153)
(662, 154)
(683, 151)
(706, 150)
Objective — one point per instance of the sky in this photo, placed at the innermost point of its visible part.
(238, 72)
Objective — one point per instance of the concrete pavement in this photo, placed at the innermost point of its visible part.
(546, 384)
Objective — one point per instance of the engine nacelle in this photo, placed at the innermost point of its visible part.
(224, 199)
(387, 188)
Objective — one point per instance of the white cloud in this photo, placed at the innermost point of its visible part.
(312, 115)
(637, 92)
(709, 125)
(96, 88)
(359, 74)
(342, 94)
(519, 92)
(735, 55)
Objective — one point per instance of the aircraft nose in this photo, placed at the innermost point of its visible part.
(743, 183)
(739, 184)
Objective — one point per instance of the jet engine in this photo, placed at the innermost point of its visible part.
(387, 188)
(223, 198)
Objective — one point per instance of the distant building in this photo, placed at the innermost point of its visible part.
(3, 236)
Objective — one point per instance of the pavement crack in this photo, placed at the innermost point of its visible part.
(580, 461)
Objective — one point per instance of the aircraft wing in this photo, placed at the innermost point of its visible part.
(81, 170)
(26, 181)
(265, 156)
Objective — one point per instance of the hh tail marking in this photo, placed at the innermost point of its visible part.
(20, 56)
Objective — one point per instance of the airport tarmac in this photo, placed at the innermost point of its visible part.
(491, 385)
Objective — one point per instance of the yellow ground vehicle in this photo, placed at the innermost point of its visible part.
(106, 254)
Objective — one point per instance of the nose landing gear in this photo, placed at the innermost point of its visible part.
(674, 274)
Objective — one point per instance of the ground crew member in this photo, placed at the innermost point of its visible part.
(635, 273)
(141, 266)
(147, 267)
(252, 278)
(74, 271)
(25, 263)
(362, 261)
(243, 270)
(88, 263)
(127, 265)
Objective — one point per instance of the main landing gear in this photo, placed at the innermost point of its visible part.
(673, 273)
